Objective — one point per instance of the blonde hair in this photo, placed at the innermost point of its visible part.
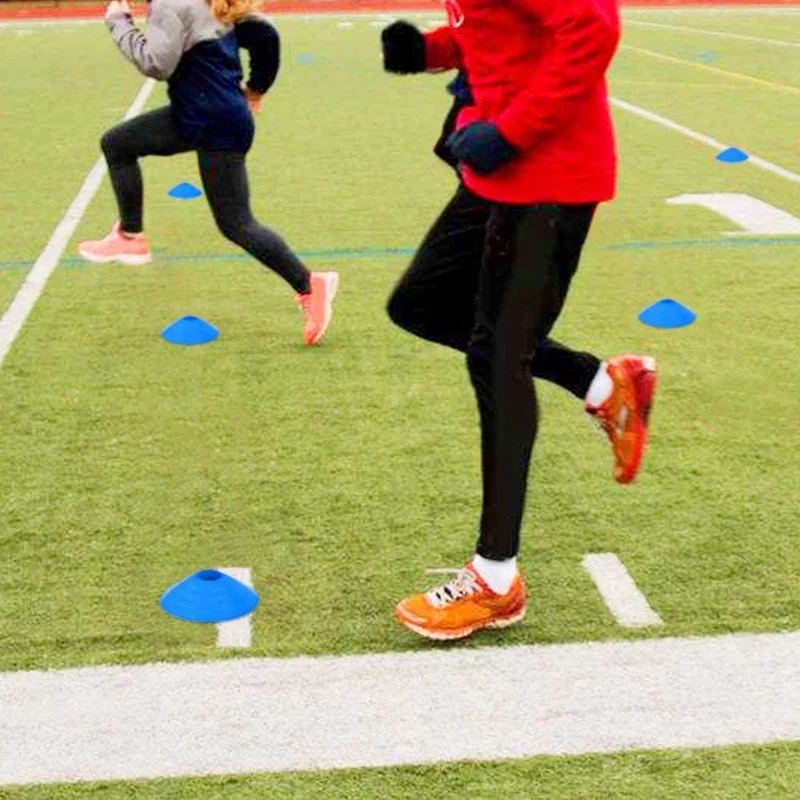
(232, 11)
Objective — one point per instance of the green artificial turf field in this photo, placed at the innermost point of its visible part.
(339, 474)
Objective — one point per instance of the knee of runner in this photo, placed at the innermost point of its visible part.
(110, 145)
(234, 229)
(397, 308)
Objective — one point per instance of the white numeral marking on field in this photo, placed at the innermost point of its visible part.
(617, 588)
(754, 216)
(237, 632)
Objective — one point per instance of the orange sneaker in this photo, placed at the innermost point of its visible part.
(317, 305)
(625, 414)
(127, 249)
(461, 607)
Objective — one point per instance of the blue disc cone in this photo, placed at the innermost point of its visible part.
(184, 191)
(209, 596)
(733, 155)
(190, 330)
(667, 313)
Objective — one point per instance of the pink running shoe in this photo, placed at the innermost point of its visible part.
(130, 249)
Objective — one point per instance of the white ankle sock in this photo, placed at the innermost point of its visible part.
(498, 575)
(600, 388)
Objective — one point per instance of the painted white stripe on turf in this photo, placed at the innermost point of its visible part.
(237, 716)
(25, 299)
(715, 11)
(700, 137)
(619, 591)
(723, 34)
(237, 632)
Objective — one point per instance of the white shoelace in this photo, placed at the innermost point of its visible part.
(463, 585)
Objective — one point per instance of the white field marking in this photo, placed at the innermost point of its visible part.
(724, 34)
(250, 715)
(722, 11)
(619, 591)
(356, 15)
(344, 25)
(754, 216)
(25, 299)
(700, 137)
(237, 632)
(46, 23)
(442, 571)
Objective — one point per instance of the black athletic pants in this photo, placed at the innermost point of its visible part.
(224, 177)
(490, 280)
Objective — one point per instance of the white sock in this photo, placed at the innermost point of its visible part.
(498, 575)
(600, 388)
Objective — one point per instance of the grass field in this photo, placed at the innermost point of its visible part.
(339, 474)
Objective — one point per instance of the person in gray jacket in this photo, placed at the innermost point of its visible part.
(194, 46)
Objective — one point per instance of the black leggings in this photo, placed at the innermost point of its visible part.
(224, 177)
(490, 280)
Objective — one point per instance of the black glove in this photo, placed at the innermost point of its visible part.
(403, 48)
(481, 147)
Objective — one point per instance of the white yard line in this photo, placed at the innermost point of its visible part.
(619, 591)
(700, 137)
(266, 715)
(721, 11)
(21, 306)
(723, 34)
(237, 632)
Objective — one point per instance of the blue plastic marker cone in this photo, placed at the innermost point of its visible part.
(667, 313)
(190, 330)
(705, 56)
(733, 155)
(209, 596)
(184, 191)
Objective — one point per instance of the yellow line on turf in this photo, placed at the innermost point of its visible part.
(783, 87)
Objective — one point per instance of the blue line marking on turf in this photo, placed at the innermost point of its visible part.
(754, 242)
(394, 252)
(162, 256)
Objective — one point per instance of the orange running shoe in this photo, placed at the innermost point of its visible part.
(624, 415)
(317, 305)
(461, 607)
(127, 249)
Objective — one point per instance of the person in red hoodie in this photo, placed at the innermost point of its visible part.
(533, 143)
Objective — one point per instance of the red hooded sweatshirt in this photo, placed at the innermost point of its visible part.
(537, 70)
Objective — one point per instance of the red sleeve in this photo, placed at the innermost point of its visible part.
(584, 39)
(441, 50)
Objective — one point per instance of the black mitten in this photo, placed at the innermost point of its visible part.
(481, 146)
(403, 48)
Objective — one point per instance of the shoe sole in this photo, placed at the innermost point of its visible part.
(645, 393)
(331, 288)
(129, 260)
(447, 636)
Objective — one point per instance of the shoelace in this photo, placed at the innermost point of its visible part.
(463, 585)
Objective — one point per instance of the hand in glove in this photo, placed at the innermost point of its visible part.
(481, 147)
(403, 48)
